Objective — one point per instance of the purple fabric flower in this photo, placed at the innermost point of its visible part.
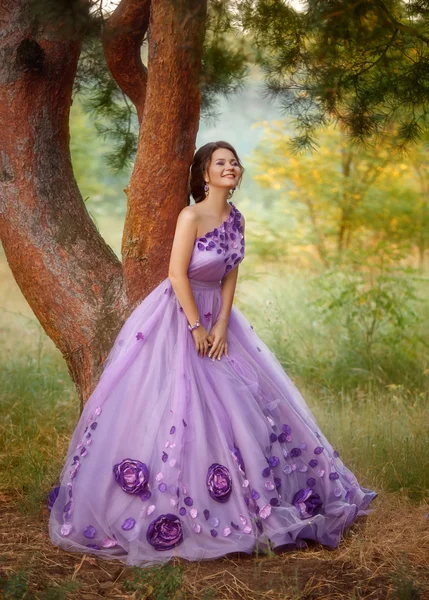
(164, 457)
(311, 481)
(139, 336)
(188, 501)
(274, 461)
(282, 437)
(239, 458)
(307, 502)
(89, 532)
(318, 449)
(173, 429)
(313, 462)
(273, 437)
(274, 501)
(53, 495)
(128, 524)
(295, 452)
(277, 482)
(206, 514)
(335, 453)
(255, 495)
(334, 475)
(132, 475)
(182, 511)
(213, 532)
(286, 428)
(219, 482)
(165, 532)
(145, 495)
(266, 472)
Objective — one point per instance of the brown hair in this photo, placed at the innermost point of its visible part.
(199, 164)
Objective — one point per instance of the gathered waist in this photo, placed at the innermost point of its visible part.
(204, 284)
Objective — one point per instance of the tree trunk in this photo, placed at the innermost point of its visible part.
(71, 278)
(158, 187)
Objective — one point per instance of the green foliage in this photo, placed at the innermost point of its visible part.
(372, 300)
(161, 583)
(17, 587)
(344, 198)
(403, 582)
(360, 63)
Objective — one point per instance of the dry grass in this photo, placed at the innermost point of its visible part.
(392, 538)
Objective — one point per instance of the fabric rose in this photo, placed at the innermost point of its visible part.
(132, 475)
(165, 532)
(307, 502)
(219, 482)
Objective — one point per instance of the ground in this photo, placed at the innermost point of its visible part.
(382, 555)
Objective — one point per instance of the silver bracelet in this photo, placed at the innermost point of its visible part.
(197, 324)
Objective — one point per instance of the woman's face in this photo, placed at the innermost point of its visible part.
(223, 170)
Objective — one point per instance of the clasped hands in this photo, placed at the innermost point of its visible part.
(215, 340)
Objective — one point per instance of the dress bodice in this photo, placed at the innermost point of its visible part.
(218, 251)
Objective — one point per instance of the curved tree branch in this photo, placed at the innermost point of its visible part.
(122, 39)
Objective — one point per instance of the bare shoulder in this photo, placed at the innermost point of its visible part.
(187, 219)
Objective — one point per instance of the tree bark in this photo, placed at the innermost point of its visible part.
(157, 190)
(71, 278)
(122, 39)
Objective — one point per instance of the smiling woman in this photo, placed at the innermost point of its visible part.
(196, 443)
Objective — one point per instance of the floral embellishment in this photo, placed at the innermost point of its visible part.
(311, 481)
(334, 475)
(208, 316)
(266, 472)
(313, 462)
(172, 430)
(165, 532)
(139, 336)
(318, 450)
(89, 532)
(295, 452)
(164, 457)
(237, 456)
(213, 532)
(286, 428)
(108, 543)
(307, 502)
(219, 482)
(265, 511)
(188, 501)
(53, 495)
(132, 475)
(274, 461)
(128, 524)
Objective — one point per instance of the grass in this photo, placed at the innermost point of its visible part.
(378, 426)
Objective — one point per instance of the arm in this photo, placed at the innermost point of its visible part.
(218, 331)
(181, 252)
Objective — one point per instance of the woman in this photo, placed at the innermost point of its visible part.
(195, 443)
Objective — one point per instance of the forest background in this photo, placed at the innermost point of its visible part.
(335, 280)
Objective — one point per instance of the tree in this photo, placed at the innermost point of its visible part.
(78, 289)
(345, 198)
(358, 63)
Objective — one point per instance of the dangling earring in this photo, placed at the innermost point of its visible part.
(206, 189)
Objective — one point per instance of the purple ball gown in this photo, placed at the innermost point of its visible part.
(179, 455)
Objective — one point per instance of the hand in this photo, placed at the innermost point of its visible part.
(202, 340)
(219, 343)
